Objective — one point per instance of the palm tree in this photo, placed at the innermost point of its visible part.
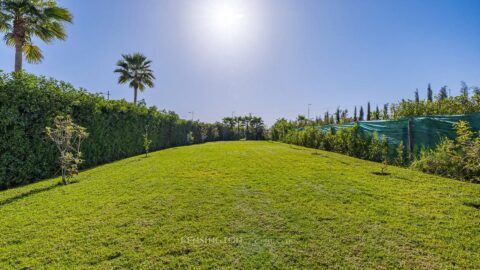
(22, 20)
(135, 68)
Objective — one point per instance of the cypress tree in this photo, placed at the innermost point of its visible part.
(429, 93)
(369, 112)
(464, 89)
(417, 96)
(355, 114)
(385, 112)
(361, 114)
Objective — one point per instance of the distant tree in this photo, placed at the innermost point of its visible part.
(337, 115)
(135, 69)
(464, 89)
(24, 20)
(385, 112)
(361, 115)
(327, 118)
(377, 113)
(302, 120)
(355, 119)
(417, 96)
(442, 94)
(476, 90)
(429, 93)
(344, 116)
(369, 112)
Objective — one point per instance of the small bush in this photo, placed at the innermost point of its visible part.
(349, 141)
(459, 158)
(68, 138)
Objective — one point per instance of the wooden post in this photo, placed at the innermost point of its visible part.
(410, 138)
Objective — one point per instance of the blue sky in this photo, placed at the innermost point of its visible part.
(278, 56)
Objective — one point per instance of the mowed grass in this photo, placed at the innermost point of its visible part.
(242, 205)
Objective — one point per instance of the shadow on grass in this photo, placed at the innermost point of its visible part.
(381, 173)
(475, 205)
(32, 192)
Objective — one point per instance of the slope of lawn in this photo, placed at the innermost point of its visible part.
(242, 205)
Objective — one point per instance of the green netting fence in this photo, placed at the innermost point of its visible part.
(415, 132)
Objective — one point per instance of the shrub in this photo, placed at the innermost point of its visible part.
(349, 141)
(68, 138)
(146, 142)
(459, 158)
(29, 103)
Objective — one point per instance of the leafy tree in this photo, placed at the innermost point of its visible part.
(442, 94)
(369, 112)
(385, 112)
(24, 20)
(301, 120)
(68, 137)
(464, 89)
(135, 70)
(476, 91)
(429, 93)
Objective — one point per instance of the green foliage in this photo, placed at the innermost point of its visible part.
(146, 143)
(30, 103)
(190, 138)
(246, 127)
(400, 159)
(349, 141)
(443, 105)
(68, 138)
(24, 21)
(459, 158)
(135, 69)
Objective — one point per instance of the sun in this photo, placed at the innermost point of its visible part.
(232, 28)
(226, 18)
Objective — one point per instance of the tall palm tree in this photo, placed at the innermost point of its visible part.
(135, 69)
(22, 20)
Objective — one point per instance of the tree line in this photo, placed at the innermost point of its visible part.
(467, 101)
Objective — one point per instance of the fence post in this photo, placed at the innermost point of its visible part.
(410, 138)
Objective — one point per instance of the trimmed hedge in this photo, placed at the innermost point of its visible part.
(29, 103)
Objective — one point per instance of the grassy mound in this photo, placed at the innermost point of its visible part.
(242, 205)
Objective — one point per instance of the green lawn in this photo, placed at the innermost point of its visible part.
(242, 205)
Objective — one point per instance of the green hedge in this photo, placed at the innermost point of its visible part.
(29, 103)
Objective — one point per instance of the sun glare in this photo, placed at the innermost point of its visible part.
(226, 18)
(226, 28)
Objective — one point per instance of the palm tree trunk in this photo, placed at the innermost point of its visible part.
(18, 57)
(135, 89)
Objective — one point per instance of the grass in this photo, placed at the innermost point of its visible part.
(242, 205)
